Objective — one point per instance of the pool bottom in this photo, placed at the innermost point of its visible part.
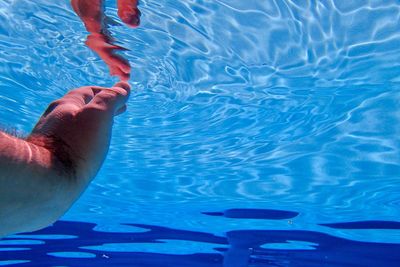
(71, 243)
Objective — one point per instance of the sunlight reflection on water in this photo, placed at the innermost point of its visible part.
(237, 103)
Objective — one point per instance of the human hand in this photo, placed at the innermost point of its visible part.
(91, 12)
(77, 128)
(117, 65)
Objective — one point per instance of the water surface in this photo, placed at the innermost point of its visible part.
(283, 105)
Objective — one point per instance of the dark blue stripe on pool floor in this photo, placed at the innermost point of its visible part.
(266, 214)
(364, 225)
(240, 248)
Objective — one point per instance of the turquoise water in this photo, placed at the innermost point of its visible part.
(282, 105)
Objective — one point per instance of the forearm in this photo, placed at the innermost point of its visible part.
(33, 193)
(41, 177)
(19, 154)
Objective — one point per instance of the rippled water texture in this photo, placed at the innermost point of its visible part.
(290, 105)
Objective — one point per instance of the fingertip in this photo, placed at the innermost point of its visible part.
(123, 85)
(123, 72)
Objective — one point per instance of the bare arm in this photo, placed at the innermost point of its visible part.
(32, 192)
(41, 177)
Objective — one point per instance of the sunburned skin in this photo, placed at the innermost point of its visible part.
(43, 175)
(99, 40)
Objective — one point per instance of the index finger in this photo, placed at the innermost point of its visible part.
(113, 98)
(81, 96)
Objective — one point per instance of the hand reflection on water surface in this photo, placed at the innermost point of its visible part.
(91, 12)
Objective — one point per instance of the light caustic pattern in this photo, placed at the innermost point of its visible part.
(274, 104)
(275, 101)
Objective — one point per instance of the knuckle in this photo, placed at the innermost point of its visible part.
(121, 91)
(92, 112)
(79, 91)
(108, 96)
(52, 106)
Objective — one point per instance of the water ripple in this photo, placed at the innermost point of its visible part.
(264, 103)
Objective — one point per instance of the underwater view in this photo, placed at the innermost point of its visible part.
(257, 133)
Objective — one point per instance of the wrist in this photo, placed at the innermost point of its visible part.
(61, 159)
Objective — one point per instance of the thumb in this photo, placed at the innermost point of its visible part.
(111, 99)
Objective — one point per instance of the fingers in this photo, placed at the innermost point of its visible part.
(128, 12)
(123, 85)
(127, 87)
(80, 96)
(106, 50)
(120, 69)
(111, 100)
(75, 100)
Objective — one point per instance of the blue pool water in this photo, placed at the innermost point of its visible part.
(259, 133)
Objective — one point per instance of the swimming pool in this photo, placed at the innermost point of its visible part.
(259, 133)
